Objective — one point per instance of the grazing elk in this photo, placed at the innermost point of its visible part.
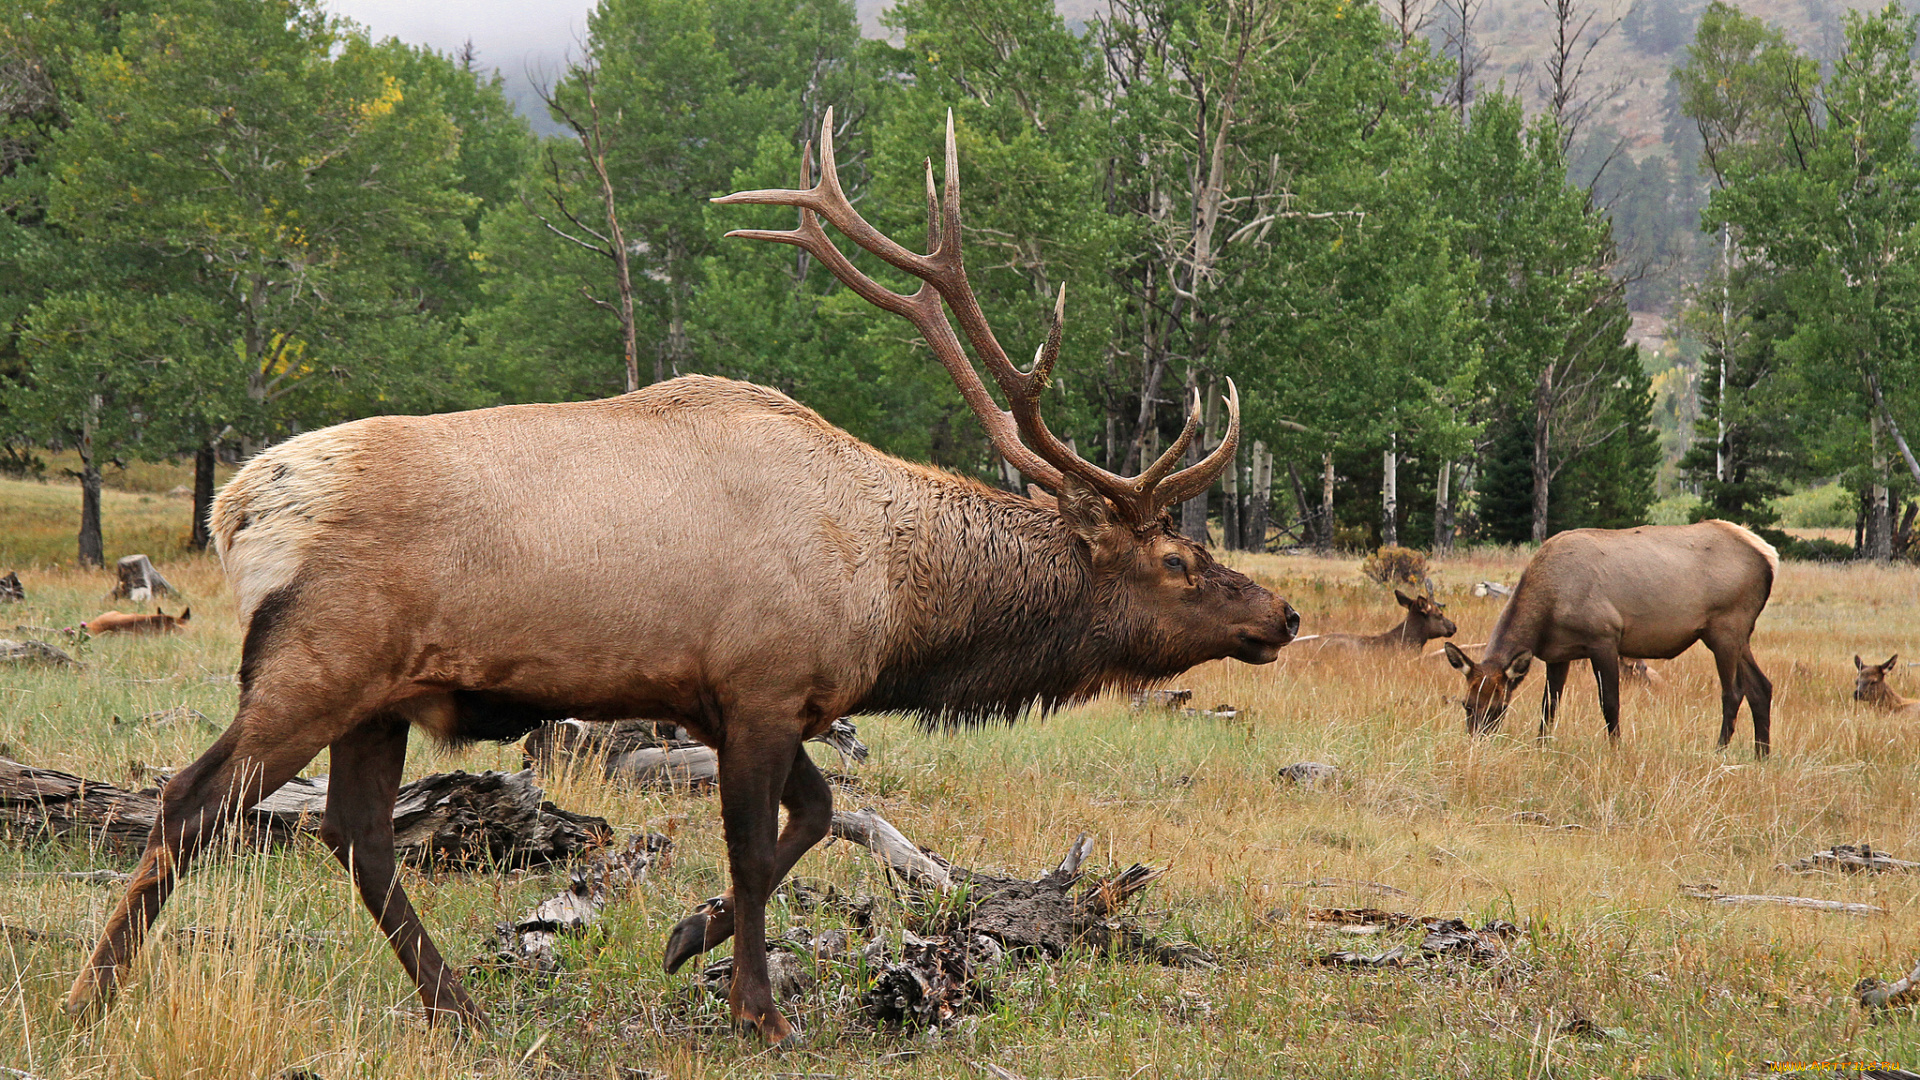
(710, 553)
(1426, 619)
(1871, 687)
(1650, 592)
(120, 622)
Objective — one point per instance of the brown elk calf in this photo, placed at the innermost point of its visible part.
(1650, 592)
(120, 622)
(1426, 619)
(708, 552)
(1870, 686)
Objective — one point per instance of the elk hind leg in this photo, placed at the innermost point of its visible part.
(1758, 691)
(252, 758)
(809, 803)
(1727, 657)
(359, 829)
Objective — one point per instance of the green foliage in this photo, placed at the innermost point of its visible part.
(1829, 506)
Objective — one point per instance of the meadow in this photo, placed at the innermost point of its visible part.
(1587, 847)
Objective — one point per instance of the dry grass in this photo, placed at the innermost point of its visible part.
(1684, 989)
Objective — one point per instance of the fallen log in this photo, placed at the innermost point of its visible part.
(650, 753)
(530, 942)
(920, 867)
(1807, 902)
(1875, 995)
(447, 820)
(34, 651)
(11, 591)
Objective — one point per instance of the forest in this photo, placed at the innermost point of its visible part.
(223, 222)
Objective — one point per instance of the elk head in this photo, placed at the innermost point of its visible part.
(1870, 684)
(1426, 616)
(1489, 687)
(1194, 609)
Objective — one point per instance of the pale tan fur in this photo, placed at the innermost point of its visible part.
(269, 514)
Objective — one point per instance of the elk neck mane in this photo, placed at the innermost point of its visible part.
(997, 608)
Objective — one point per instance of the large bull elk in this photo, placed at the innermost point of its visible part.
(707, 552)
(1648, 593)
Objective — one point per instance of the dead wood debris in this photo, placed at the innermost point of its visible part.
(1308, 773)
(179, 714)
(1342, 883)
(530, 942)
(1445, 939)
(1713, 895)
(1176, 701)
(966, 924)
(11, 591)
(34, 651)
(447, 820)
(1850, 858)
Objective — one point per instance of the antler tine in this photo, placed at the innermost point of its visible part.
(933, 211)
(1189, 482)
(1049, 351)
(1170, 460)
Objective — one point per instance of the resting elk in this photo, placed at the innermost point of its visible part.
(1870, 686)
(1651, 592)
(711, 553)
(120, 622)
(1426, 619)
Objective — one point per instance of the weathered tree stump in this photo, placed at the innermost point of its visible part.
(33, 651)
(448, 820)
(139, 581)
(11, 591)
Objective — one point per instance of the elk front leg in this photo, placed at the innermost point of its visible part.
(367, 762)
(809, 803)
(1606, 675)
(247, 762)
(755, 761)
(1550, 696)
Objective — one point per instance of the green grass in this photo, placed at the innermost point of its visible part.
(40, 520)
(1685, 989)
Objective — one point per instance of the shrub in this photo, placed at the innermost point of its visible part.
(1829, 506)
(1818, 549)
(1397, 566)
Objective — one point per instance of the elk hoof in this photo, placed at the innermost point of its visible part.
(772, 1028)
(688, 938)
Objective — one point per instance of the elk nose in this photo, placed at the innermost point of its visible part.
(1293, 623)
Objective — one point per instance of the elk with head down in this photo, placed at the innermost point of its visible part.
(707, 552)
(1870, 686)
(1607, 594)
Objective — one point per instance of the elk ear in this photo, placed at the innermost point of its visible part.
(1405, 600)
(1857, 664)
(1085, 510)
(1457, 658)
(1517, 667)
(1888, 666)
(186, 614)
(1039, 495)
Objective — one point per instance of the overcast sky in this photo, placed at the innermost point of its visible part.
(520, 38)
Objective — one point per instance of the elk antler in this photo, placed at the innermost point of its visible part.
(1019, 433)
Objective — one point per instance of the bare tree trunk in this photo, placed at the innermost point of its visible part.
(1542, 446)
(1878, 543)
(1326, 501)
(1193, 512)
(1231, 537)
(1443, 510)
(1309, 517)
(203, 460)
(92, 550)
(1255, 523)
(1390, 493)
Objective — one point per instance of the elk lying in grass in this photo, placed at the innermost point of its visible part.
(1870, 686)
(1426, 619)
(1604, 594)
(711, 553)
(120, 622)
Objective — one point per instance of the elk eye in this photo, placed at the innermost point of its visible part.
(1175, 562)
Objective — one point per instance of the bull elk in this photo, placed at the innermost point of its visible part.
(121, 622)
(1426, 619)
(712, 553)
(1650, 593)
(1870, 686)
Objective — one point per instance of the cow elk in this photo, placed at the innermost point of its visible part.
(1650, 592)
(120, 622)
(1426, 619)
(1870, 686)
(711, 553)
